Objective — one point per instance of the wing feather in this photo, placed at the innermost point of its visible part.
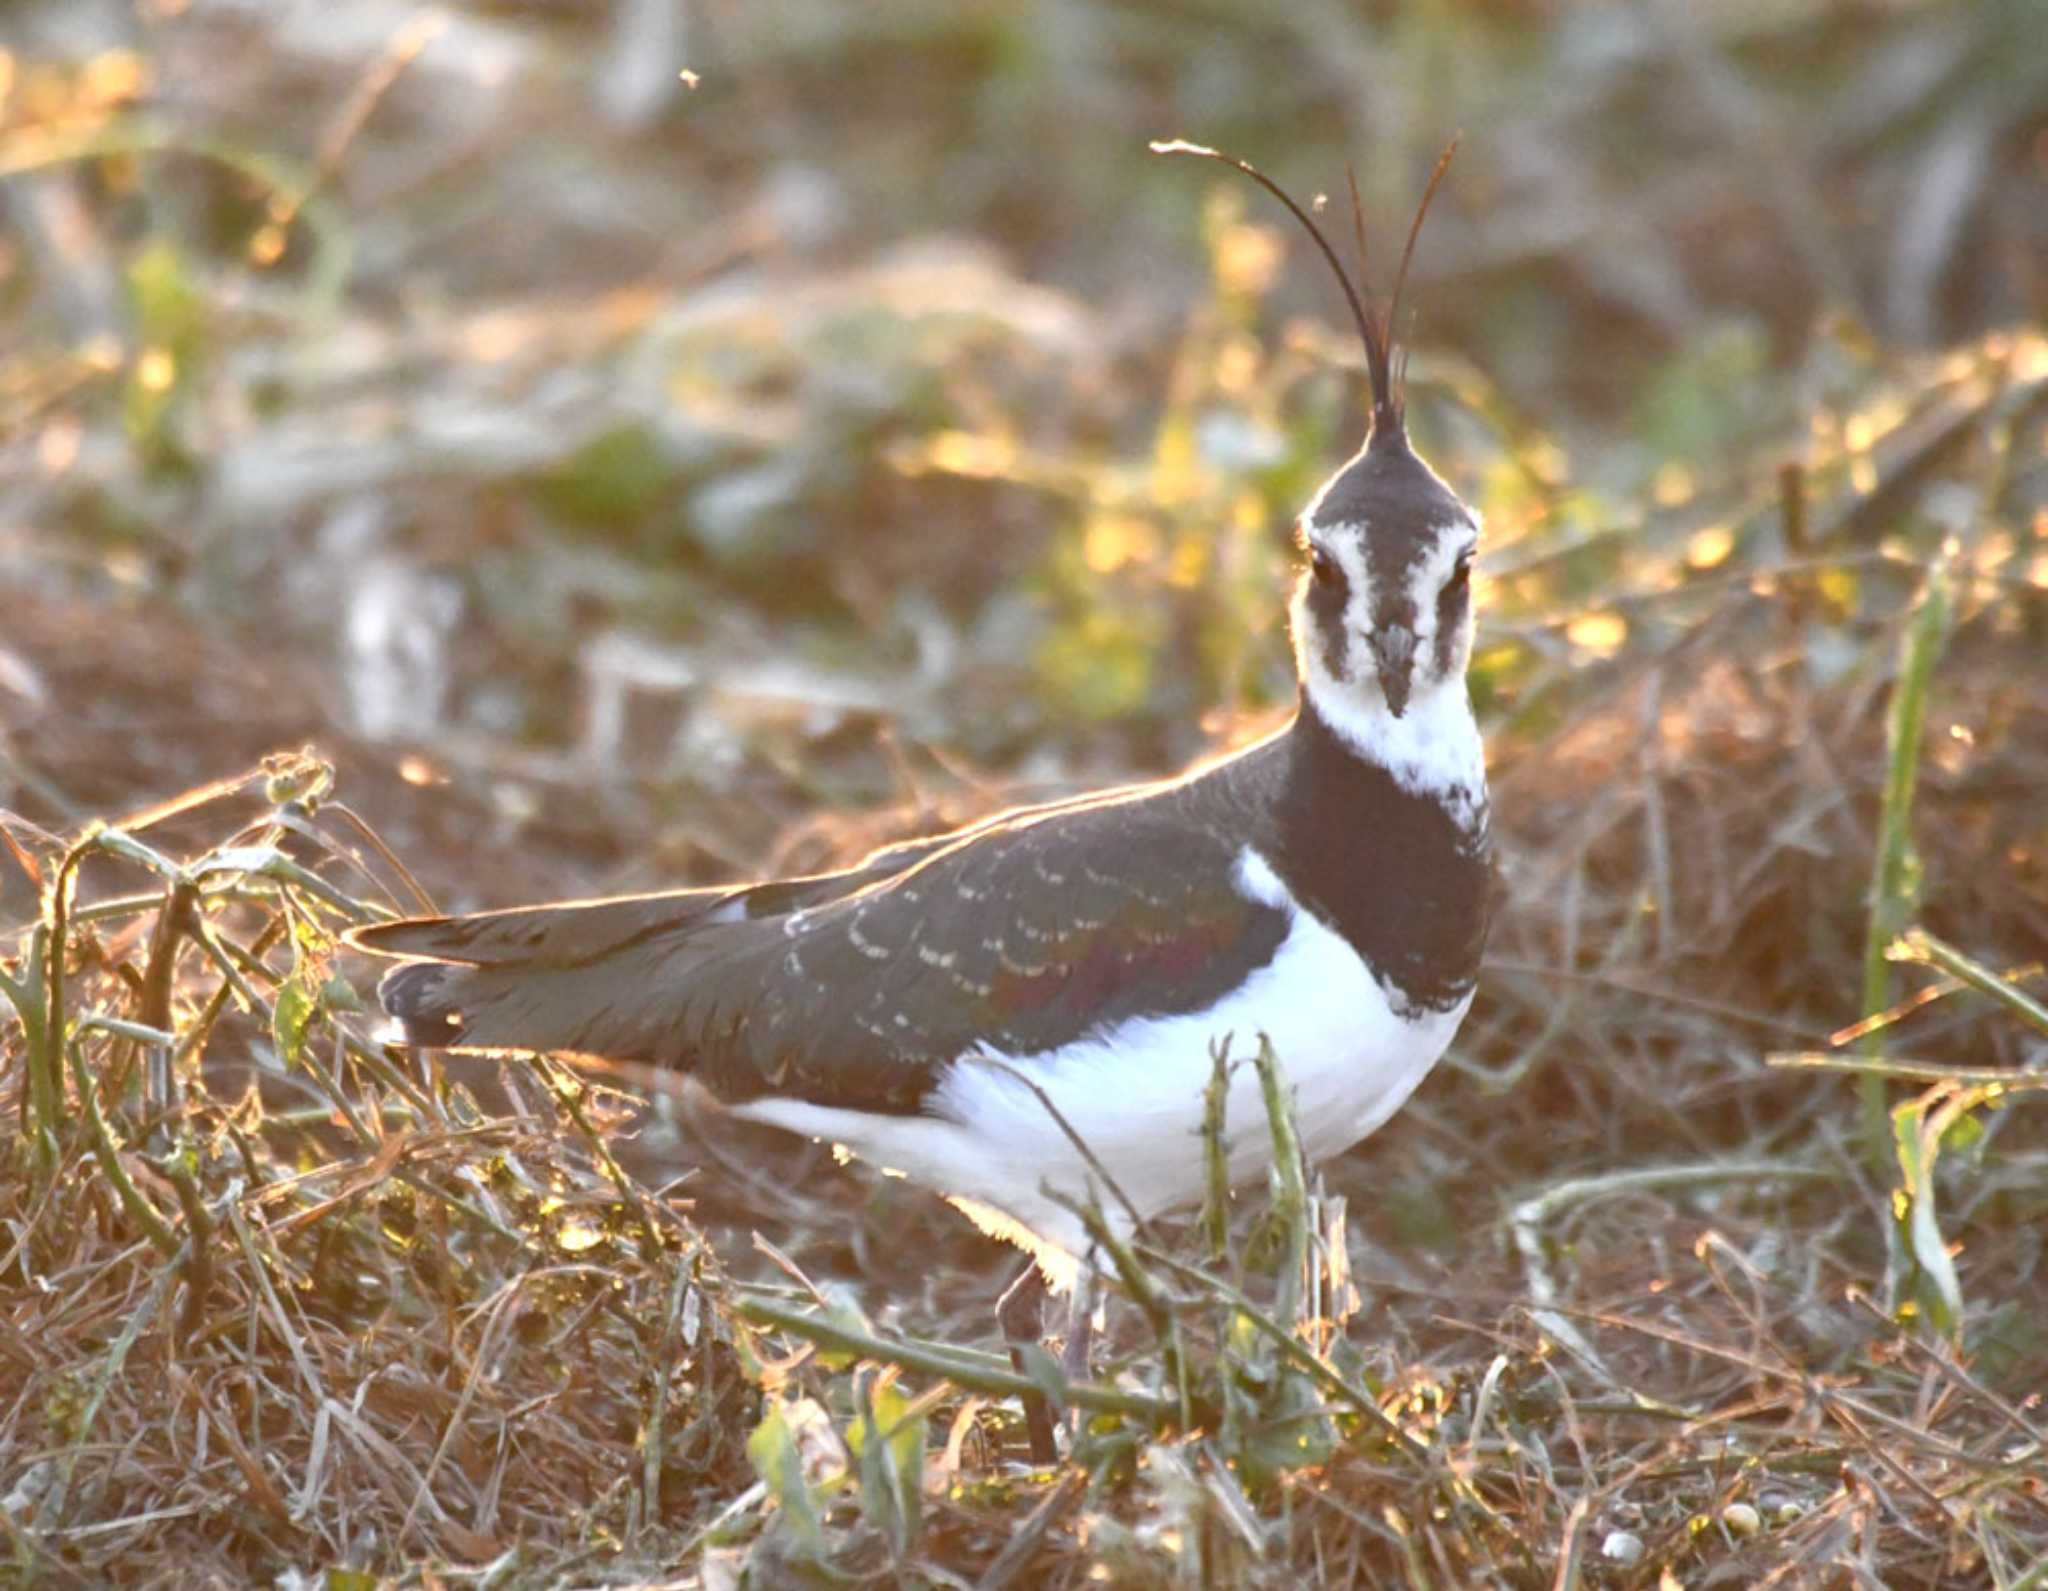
(858, 988)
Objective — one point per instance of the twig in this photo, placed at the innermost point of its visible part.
(1917, 944)
(144, 1214)
(930, 1360)
(1912, 1071)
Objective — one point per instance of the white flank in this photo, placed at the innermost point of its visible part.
(1136, 1098)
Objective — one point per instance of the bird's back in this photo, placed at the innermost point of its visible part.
(853, 989)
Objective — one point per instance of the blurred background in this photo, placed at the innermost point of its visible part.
(659, 421)
(655, 442)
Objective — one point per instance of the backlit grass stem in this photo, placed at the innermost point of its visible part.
(1290, 1186)
(1895, 875)
(1215, 1217)
(1917, 944)
(928, 1359)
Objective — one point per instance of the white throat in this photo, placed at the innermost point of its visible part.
(1432, 749)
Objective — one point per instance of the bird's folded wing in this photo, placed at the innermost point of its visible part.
(575, 933)
(1016, 938)
(563, 935)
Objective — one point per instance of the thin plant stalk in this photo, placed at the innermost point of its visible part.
(1215, 1218)
(1290, 1185)
(929, 1359)
(1895, 875)
(42, 1100)
(1919, 945)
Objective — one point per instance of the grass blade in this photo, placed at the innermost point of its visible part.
(1895, 875)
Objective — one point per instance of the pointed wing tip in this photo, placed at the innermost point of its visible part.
(419, 938)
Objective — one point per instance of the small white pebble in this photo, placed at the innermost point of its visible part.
(1742, 1519)
(1624, 1547)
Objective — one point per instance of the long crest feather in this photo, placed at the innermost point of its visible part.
(1436, 177)
(1358, 225)
(1387, 415)
(1375, 328)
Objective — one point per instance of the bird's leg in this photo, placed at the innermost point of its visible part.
(1080, 1329)
(1020, 1312)
(1020, 1315)
(1081, 1321)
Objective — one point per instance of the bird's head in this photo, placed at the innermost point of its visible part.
(1382, 615)
(1383, 609)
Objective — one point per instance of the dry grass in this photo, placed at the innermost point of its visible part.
(1614, 1301)
(1630, 1302)
(330, 1315)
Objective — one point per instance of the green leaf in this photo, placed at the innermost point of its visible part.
(887, 1440)
(168, 308)
(298, 1003)
(338, 994)
(1963, 1135)
(169, 317)
(772, 1450)
(1928, 1280)
(615, 478)
(841, 1310)
(1291, 1430)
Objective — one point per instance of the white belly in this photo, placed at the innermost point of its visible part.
(989, 1141)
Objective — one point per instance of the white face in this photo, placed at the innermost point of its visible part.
(1383, 611)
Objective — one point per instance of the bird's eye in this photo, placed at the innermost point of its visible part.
(1323, 567)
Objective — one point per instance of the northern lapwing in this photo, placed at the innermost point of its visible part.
(962, 1008)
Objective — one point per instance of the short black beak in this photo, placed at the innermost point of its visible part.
(1393, 654)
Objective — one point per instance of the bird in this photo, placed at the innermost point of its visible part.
(1011, 1010)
